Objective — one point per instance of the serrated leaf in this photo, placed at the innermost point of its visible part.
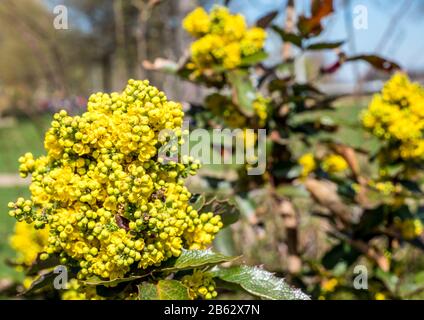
(190, 259)
(243, 92)
(147, 291)
(260, 282)
(163, 290)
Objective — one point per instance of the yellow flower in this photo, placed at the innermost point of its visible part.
(380, 296)
(334, 163)
(28, 242)
(330, 285)
(307, 161)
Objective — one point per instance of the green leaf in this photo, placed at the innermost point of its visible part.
(190, 259)
(94, 281)
(147, 291)
(243, 92)
(389, 279)
(260, 283)
(224, 242)
(163, 290)
(43, 281)
(254, 58)
(288, 36)
(324, 45)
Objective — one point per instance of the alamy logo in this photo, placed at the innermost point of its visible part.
(360, 20)
(60, 21)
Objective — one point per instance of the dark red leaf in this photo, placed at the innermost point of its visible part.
(312, 26)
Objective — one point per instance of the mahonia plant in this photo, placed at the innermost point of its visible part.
(106, 201)
(106, 204)
(302, 147)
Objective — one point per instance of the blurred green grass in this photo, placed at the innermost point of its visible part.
(6, 229)
(24, 135)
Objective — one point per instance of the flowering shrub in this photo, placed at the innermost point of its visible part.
(105, 204)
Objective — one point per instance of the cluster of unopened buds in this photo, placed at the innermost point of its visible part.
(108, 200)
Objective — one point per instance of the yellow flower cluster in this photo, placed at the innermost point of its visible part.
(28, 242)
(200, 284)
(334, 163)
(223, 39)
(223, 108)
(107, 199)
(260, 105)
(397, 115)
(410, 228)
